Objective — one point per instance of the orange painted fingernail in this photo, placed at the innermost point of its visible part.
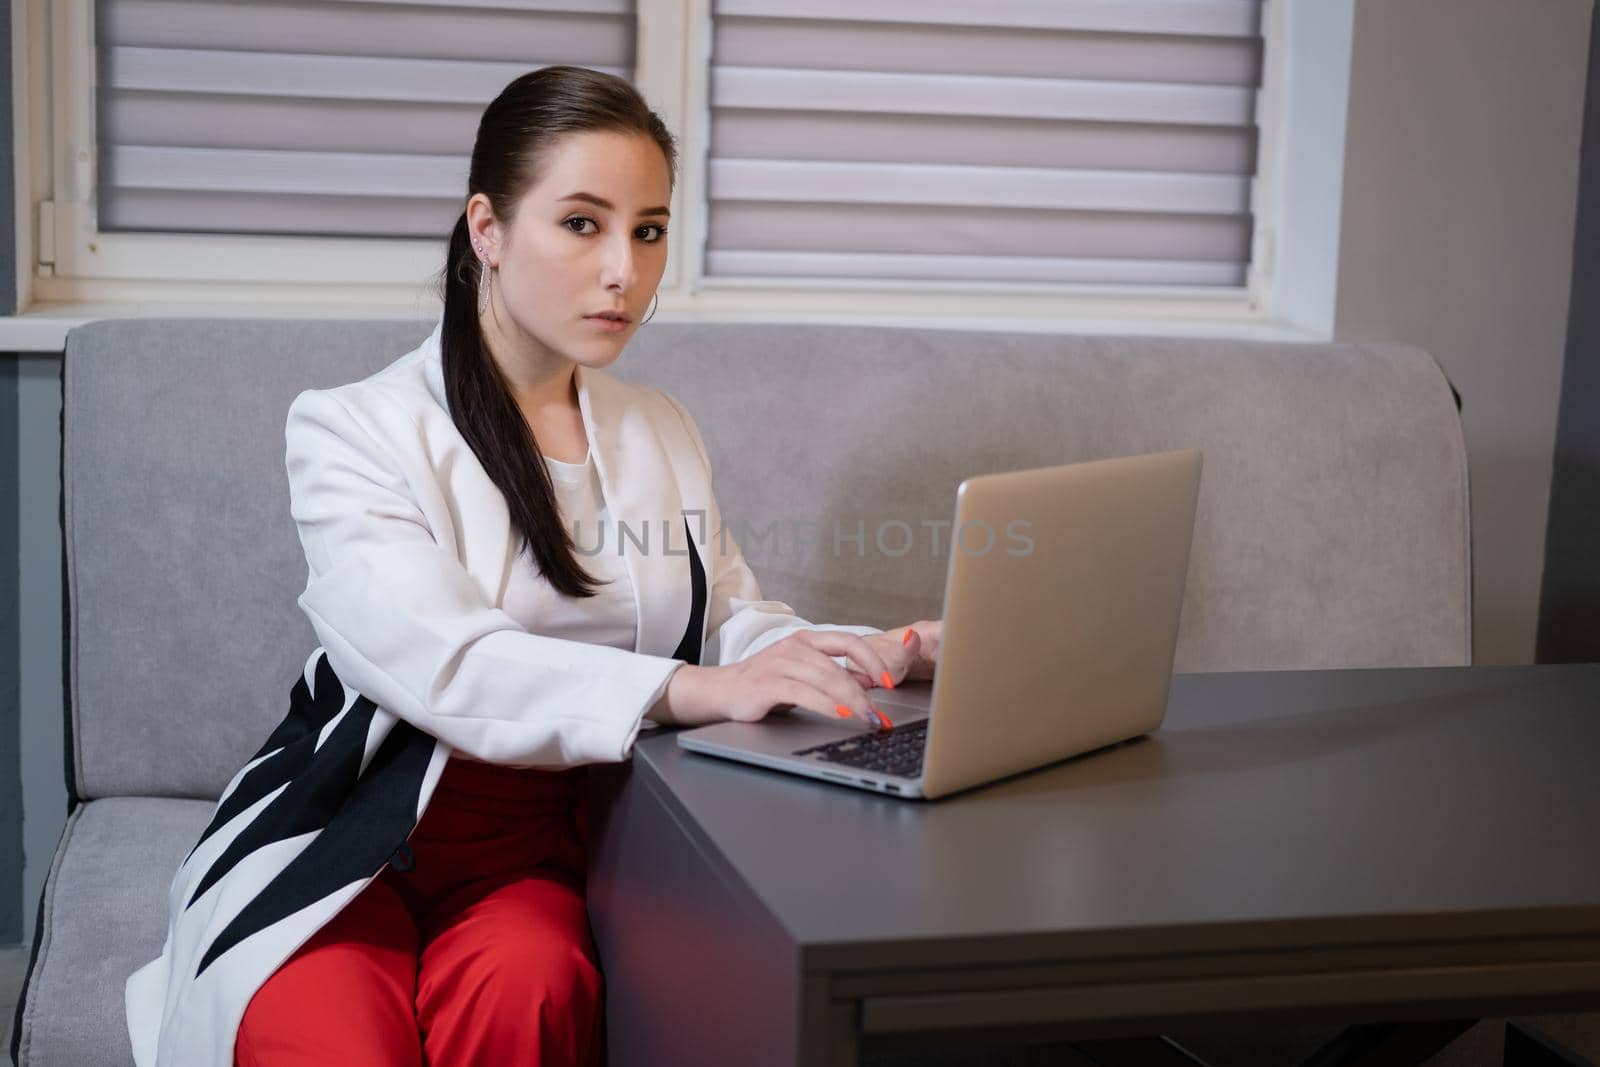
(906, 640)
(888, 682)
(887, 725)
(842, 711)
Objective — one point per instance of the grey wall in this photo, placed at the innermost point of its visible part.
(37, 491)
(1460, 192)
(10, 618)
(10, 717)
(1569, 607)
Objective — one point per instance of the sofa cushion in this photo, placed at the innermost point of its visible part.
(104, 915)
(1332, 528)
(183, 562)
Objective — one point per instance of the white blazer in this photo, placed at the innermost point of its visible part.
(410, 549)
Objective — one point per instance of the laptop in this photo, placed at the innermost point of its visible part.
(1061, 606)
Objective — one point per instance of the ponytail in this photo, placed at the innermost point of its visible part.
(484, 411)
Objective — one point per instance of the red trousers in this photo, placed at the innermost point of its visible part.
(479, 954)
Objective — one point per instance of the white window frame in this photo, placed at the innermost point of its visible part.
(70, 266)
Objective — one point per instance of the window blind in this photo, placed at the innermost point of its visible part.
(350, 118)
(1036, 141)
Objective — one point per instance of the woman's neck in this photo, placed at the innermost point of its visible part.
(543, 384)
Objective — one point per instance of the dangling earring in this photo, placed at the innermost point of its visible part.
(484, 279)
(652, 309)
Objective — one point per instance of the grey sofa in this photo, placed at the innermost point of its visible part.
(1332, 532)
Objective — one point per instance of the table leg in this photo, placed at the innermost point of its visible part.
(1137, 1052)
(1387, 1044)
(1528, 1046)
(843, 1021)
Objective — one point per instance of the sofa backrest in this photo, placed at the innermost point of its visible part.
(1332, 528)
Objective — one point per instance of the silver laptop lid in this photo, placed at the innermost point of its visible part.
(1061, 610)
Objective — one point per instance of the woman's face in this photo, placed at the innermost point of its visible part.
(565, 256)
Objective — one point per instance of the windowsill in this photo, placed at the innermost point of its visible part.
(43, 327)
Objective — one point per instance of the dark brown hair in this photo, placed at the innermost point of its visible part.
(516, 135)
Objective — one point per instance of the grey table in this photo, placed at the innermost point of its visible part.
(1419, 844)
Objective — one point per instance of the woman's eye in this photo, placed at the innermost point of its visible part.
(661, 231)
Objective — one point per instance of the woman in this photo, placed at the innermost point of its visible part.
(397, 876)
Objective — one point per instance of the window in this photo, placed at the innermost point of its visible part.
(312, 118)
(1109, 143)
(1014, 158)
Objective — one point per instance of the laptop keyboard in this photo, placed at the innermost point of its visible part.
(896, 751)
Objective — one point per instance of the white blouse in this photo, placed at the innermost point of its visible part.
(610, 617)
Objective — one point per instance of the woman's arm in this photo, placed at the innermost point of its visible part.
(405, 625)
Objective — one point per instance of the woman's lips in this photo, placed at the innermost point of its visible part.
(609, 325)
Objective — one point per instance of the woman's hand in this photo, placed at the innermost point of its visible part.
(912, 653)
(798, 670)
